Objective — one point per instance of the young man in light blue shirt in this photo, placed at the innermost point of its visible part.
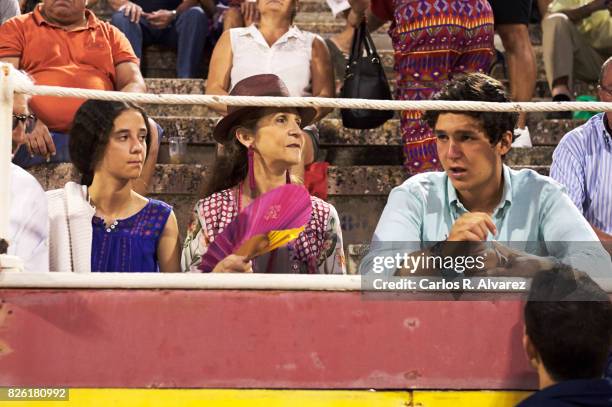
(478, 198)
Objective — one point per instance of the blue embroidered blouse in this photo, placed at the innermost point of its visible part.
(129, 245)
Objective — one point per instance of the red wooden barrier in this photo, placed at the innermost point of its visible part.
(257, 339)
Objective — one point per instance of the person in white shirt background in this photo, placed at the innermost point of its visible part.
(299, 58)
(28, 225)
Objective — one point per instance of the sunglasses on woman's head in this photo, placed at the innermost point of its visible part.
(29, 120)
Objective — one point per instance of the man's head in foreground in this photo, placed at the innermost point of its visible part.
(471, 144)
(568, 326)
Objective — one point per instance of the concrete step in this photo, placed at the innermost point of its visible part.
(185, 179)
(197, 86)
(198, 131)
(550, 132)
(160, 62)
(358, 193)
(176, 86)
(176, 110)
(356, 155)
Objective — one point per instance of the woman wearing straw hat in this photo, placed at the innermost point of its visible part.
(260, 145)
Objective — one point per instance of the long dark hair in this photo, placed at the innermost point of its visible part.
(231, 161)
(90, 132)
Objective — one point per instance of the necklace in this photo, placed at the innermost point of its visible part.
(109, 227)
(89, 200)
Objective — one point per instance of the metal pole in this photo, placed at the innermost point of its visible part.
(6, 131)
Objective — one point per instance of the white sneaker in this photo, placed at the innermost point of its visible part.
(522, 139)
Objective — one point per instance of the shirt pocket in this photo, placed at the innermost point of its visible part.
(42, 51)
(92, 48)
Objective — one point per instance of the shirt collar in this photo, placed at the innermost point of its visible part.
(506, 199)
(254, 32)
(92, 21)
(451, 193)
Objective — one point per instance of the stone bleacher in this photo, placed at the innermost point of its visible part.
(365, 165)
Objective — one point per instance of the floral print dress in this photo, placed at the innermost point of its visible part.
(318, 249)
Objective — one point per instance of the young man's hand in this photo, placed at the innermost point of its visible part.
(472, 227)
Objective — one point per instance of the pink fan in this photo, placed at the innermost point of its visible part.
(272, 218)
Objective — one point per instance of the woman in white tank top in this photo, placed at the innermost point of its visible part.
(301, 59)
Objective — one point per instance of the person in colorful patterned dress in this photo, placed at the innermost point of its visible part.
(102, 224)
(433, 40)
(259, 148)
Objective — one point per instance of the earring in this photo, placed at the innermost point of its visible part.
(251, 170)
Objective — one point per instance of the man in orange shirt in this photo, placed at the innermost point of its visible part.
(62, 44)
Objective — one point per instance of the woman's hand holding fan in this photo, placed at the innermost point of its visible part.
(234, 264)
(269, 222)
(261, 244)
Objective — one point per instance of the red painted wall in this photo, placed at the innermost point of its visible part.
(258, 339)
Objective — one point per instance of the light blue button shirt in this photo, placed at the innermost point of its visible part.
(534, 214)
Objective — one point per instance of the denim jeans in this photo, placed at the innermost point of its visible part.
(187, 34)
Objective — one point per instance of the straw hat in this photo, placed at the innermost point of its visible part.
(257, 85)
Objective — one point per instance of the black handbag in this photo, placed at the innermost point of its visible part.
(364, 79)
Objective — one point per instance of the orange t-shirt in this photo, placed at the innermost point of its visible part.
(83, 58)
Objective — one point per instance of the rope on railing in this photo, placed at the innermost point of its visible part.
(172, 99)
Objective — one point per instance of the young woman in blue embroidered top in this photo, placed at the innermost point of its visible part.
(130, 233)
